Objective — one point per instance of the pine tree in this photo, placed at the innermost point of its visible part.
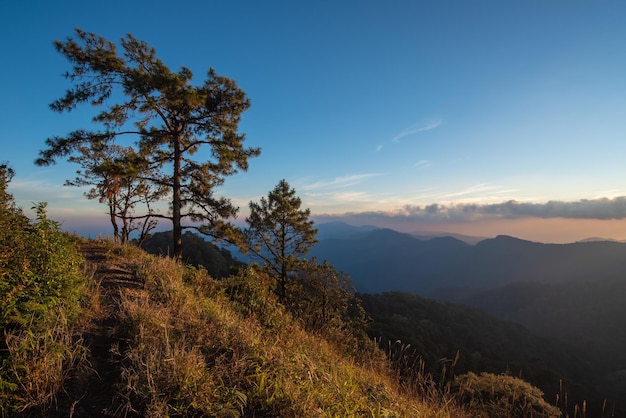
(279, 233)
(169, 119)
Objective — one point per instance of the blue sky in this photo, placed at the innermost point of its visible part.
(480, 117)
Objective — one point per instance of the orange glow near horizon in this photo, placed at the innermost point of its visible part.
(554, 230)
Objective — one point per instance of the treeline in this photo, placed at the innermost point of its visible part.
(588, 315)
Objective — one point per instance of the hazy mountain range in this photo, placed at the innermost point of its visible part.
(574, 294)
(449, 268)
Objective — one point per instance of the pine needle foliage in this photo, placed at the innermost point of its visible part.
(279, 233)
(140, 99)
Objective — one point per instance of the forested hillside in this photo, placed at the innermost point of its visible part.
(442, 337)
(436, 332)
(196, 251)
(588, 315)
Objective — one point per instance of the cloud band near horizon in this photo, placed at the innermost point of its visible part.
(598, 209)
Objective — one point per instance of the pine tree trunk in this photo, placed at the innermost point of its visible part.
(177, 230)
(113, 218)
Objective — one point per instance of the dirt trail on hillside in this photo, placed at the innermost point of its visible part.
(93, 391)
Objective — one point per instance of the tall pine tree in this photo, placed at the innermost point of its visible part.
(169, 119)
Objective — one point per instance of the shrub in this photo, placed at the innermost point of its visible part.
(40, 267)
(495, 396)
(250, 293)
(41, 282)
(323, 300)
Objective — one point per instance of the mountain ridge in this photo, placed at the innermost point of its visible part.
(387, 260)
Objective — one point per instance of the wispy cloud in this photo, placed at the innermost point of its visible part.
(479, 189)
(479, 193)
(412, 130)
(423, 164)
(42, 190)
(338, 182)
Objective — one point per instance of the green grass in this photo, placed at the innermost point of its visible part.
(41, 286)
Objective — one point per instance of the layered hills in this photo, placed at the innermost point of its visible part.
(572, 295)
(447, 268)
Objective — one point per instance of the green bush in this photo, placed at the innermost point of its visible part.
(40, 267)
(251, 293)
(41, 282)
(323, 299)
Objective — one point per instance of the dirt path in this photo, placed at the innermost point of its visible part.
(93, 392)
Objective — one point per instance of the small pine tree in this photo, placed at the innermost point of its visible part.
(279, 233)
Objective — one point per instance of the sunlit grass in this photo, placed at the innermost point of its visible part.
(195, 351)
(195, 346)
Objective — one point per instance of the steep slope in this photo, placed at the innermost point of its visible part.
(168, 340)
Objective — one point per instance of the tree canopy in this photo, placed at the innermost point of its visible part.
(170, 120)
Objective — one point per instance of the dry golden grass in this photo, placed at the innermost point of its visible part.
(184, 344)
(194, 352)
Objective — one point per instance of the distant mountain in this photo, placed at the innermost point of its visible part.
(447, 268)
(427, 235)
(341, 230)
(593, 239)
(328, 230)
(384, 259)
(219, 262)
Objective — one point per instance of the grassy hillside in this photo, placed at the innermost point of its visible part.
(119, 332)
(162, 339)
(184, 344)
